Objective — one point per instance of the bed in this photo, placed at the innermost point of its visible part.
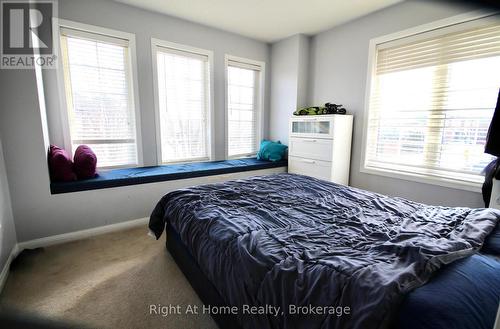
(306, 253)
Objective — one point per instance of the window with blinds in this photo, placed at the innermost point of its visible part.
(243, 108)
(183, 83)
(431, 101)
(99, 97)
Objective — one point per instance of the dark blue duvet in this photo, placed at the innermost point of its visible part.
(464, 295)
(287, 240)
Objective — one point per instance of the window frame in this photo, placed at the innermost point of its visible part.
(58, 25)
(428, 29)
(259, 133)
(159, 43)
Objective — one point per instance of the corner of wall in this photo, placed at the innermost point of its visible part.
(289, 82)
(8, 236)
(303, 70)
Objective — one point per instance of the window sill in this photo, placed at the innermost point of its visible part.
(432, 180)
(144, 175)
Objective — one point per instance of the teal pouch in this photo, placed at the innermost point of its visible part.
(271, 151)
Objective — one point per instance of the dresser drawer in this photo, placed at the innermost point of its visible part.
(312, 126)
(310, 167)
(311, 148)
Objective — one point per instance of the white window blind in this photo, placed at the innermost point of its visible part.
(99, 96)
(184, 98)
(432, 99)
(243, 105)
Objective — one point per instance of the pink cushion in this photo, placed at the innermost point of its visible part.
(85, 162)
(60, 165)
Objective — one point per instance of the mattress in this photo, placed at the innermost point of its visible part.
(312, 254)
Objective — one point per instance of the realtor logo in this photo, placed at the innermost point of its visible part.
(27, 36)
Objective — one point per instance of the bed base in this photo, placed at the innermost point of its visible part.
(200, 283)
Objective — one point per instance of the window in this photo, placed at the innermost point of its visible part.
(183, 102)
(432, 98)
(244, 102)
(99, 96)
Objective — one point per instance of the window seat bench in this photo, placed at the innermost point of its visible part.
(144, 175)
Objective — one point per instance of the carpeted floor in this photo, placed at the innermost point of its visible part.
(108, 281)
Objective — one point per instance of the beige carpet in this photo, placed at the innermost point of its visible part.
(108, 281)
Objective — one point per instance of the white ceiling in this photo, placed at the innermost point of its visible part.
(265, 20)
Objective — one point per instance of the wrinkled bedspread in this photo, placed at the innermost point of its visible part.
(287, 239)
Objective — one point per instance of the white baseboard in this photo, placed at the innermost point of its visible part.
(78, 235)
(5, 270)
(66, 237)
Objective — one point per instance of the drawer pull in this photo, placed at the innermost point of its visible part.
(310, 140)
(308, 161)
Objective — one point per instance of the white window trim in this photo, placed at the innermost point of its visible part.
(440, 181)
(260, 103)
(59, 23)
(210, 119)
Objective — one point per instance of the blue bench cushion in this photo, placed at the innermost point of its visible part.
(143, 175)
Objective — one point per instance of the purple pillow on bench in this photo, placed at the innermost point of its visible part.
(60, 165)
(85, 162)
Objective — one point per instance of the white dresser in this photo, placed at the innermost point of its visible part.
(320, 146)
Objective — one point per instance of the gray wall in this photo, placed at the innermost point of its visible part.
(39, 214)
(289, 74)
(7, 229)
(338, 68)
